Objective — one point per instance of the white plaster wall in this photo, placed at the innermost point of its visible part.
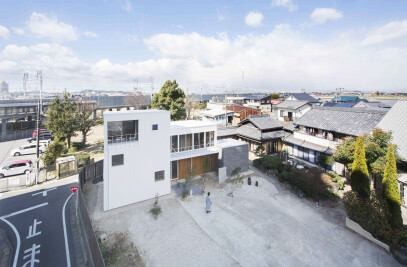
(316, 140)
(135, 180)
(298, 113)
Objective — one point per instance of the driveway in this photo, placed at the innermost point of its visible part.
(259, 226)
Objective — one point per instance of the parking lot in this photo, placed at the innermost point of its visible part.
(16, 181)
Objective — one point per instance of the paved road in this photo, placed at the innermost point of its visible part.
(38, 224)
(15, 181)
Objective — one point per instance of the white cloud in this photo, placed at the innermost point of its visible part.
(18, 31)
(254, 19)
(282, 59)
(222, 13)
(43, 26)
(387, 32)
(4, 32)
(125, 5)
(321, 15)
(285, 3)
(91, 34)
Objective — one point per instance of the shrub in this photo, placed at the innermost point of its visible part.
(272, 162)
(83, 159)
(185, 193)
(258, 163)
(54, 151)
(332, 173)
(341, 185)
(77, 145)
(372, 214)
(156, 210)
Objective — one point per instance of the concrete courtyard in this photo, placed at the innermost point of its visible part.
(259, 226)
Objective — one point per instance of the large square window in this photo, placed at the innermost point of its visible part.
(210, 138)
(122, 131)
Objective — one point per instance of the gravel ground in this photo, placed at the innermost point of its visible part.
(259, 226)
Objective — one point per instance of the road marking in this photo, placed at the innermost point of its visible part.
(24, 210)
(18, 240)
(68, 258)
(44, 193)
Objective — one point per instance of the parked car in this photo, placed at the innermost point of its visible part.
(43, 136)
(20, 119)
(43, 142)
(41, 131)
(27, 149)
(17, 167)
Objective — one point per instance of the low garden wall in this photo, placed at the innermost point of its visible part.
(358, 229)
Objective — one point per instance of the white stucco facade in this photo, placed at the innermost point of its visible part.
(134, 180)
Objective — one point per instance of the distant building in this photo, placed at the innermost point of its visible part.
(259, 102)
(4, 87)
(218, 116)
(347, 98)
(302, 97)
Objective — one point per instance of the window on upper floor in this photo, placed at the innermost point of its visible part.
(155, 127)
(199, 140)
(210, 138)
(185, 142)
(281, 113)
(174, 143)
(122, 131)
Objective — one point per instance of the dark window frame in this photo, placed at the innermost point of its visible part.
(154, 127)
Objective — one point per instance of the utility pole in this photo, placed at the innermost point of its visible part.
(226, 109)
(39, 75)
(25, 78)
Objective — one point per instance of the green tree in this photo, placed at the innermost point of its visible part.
(324, 160)
(54, 151)
(391, 190)
(171, 98)
(84, 119)
(62, 116)
(344, 152)
(274, 96)
(360, 175)
(259, 151)
(236, 180)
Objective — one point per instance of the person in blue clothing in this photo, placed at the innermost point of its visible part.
(208, 203)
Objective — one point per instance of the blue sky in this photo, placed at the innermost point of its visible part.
(279, 45)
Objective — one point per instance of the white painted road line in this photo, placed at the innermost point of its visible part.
(18, 240)
(68, 258)
(44, 193)
(24, 210)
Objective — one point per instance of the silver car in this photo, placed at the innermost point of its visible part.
(27, 149)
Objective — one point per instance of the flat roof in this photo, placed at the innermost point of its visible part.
(191, 123)
(215, 112)
(121, 112)
(224, 143)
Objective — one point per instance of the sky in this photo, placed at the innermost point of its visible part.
(213, 46)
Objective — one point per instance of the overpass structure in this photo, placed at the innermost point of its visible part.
(27, 109)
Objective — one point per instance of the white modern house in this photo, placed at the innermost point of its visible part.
(144, 151)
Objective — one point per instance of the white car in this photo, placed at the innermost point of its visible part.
(18, 167)
(27, 149)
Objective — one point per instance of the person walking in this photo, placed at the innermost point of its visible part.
(208, 203)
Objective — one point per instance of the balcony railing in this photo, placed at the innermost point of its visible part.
(122, 138)
(185, 148)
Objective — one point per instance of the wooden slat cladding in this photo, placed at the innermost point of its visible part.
(198, 164)
(183, 166)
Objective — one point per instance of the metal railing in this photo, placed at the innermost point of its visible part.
(122, 138)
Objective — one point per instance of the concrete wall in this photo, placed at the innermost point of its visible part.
(234, 157)
(134, 181)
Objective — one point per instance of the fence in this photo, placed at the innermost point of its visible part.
(96, 258)
(14, 135)
(91, 171)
